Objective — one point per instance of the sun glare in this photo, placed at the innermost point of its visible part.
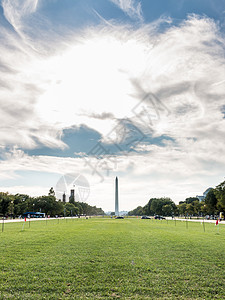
(90, 78)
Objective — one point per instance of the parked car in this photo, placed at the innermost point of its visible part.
(119, 217)
(145, 217)
(159, 217)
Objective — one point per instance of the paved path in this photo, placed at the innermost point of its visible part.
(168, 218)
(198, 220)
(33, 219)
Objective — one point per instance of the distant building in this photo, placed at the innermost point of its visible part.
(206, 192)
(72, 193)
(72, 196)
(123, 213)
(64, 197)
(202, 197)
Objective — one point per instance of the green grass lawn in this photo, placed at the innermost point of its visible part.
(103, 258)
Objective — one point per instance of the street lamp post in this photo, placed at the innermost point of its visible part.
(11, 209)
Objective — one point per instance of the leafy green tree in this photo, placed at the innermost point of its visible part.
(45, 204)
(191, 199)
(220, 195)
(4, 203)
(158, 203)
(71, 209)
(87, 209)
(197, 207)
(147, 208)
(156, 206)
(59, 208)
(182, 208)
(194, 208)
(51, 192)
(21, 202)
(136, 212)
(190, 209)
(11, 206)
(203, 208)
(167, 210)
(211, 202)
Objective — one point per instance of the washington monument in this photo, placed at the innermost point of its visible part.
(116, 198)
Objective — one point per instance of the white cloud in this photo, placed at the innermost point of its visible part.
(171, 68)
(101, 72)
(164, 171)
(130, 7)
(16, 10)
(33, 191)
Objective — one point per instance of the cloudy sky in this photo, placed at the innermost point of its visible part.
(105, 88)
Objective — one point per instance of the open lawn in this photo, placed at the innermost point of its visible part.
(103, 258)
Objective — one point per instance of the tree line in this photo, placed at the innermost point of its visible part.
(17, 205)
(213, 204)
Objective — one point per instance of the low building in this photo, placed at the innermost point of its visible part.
(202, 197)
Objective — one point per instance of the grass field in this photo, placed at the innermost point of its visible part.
(102, 258)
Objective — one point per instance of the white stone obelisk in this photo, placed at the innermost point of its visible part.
(116, 198)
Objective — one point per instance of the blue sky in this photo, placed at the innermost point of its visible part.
(107, 88)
